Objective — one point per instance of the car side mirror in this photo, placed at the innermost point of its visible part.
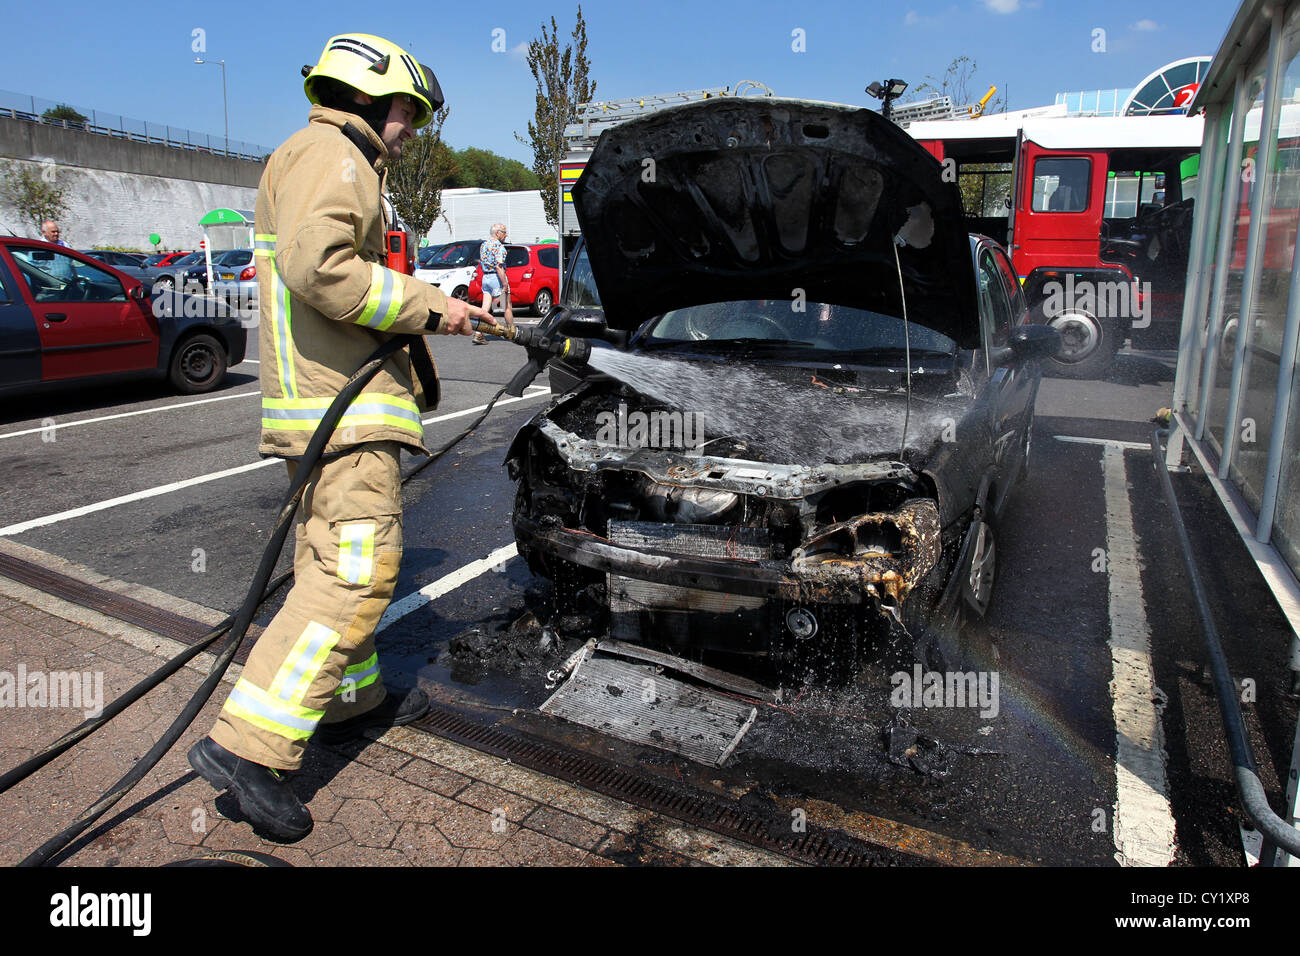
(585, 324)
(1035, 341)
(136, 292)
(582, 323)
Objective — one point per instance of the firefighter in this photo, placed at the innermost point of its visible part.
(326, 303)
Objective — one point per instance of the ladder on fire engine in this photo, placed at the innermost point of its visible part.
(596, 117)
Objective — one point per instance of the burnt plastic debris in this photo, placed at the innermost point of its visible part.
(905, 746)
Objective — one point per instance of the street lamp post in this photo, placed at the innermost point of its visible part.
(225, 107)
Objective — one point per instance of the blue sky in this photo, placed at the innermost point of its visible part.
(137, 58)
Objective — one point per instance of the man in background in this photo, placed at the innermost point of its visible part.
(496, 285)
(61, 266)
(50, 233)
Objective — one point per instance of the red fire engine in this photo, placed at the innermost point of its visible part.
(1097, 215)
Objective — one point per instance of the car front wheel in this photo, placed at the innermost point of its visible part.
(1026, 449)
(198, 364)
(981, 568)
(462, 293)
(542, 304)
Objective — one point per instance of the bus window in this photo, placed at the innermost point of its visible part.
(1061, 185)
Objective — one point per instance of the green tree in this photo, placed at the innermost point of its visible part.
(63, 111)
(416, 181)
(562, 83)
(488, 170)
(34, 192)
(985, 189)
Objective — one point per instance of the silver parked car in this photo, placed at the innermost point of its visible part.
(234, 279)
(124, 263)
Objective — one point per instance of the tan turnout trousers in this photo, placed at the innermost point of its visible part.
(316, 662)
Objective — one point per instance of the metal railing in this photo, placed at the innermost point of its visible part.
(21, 106)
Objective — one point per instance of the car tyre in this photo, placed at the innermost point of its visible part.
(461, 292)
(979, 574)
(1228, 344)
(198, 364)
(542, 304)
(1026, 450)
(1089, 344)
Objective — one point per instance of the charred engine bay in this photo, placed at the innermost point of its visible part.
(856, 537)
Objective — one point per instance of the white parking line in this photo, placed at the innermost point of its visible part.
(142, 411)
(1108, 442)
(22, 526)
(1143, 825)
(446, 583)
(134, 496)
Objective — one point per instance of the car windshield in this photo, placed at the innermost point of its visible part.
(156, 258)
(786, 323)
(189, 260)
(456, 254)
(427, 253)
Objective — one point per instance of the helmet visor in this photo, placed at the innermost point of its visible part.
(432, 91)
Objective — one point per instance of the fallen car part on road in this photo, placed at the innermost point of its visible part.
(635, 701)
(1276, 831)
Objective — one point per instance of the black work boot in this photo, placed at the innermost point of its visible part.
(398, 708)
(263, 793)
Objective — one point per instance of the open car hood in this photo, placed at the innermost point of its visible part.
(751, 198)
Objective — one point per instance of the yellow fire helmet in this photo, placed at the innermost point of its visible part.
(377, 67)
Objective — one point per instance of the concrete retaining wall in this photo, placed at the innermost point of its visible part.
(121, 191)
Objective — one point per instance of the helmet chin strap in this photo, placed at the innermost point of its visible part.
(375, 113)
(359, 140)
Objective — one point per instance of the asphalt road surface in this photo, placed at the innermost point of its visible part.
(168, 491)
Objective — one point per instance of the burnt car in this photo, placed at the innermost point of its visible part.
(858, 373)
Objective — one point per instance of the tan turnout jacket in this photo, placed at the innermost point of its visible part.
(326, 299)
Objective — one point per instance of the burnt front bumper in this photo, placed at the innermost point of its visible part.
(748, 578)
(761, 579)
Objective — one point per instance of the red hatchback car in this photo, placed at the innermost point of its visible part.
(534, 274)
(67, 317)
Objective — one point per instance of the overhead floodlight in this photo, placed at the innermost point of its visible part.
(886, 92)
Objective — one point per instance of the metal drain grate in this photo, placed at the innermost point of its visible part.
(819, 846)
(119, 606)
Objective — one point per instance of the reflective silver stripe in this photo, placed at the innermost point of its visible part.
(250, 703)
(353, 45)
(305, 660)
(385, 302)
(369, 408)
(351, 680)
(260, 246)
(416, 79)
(281, 302)
(356, 552)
